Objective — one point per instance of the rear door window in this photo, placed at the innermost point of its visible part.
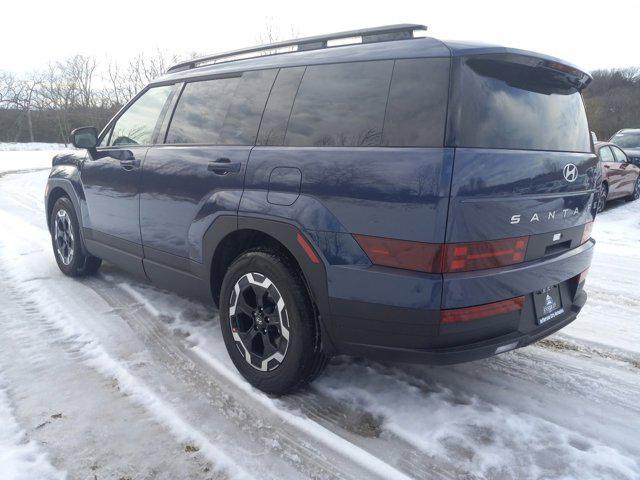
(619, 154)
(606, 155)
(417, 107)
(223, 111)
(509, 102)
(340, 105)
(137, 124)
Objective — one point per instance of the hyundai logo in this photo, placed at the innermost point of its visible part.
(570, 172)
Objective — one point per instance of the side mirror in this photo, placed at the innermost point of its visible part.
(84, 137)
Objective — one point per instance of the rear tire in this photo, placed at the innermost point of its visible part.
(636, 191)
(66, 242)
(602, 197)
(268, 323)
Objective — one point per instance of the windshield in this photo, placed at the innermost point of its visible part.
(505, 102)
(626, 140)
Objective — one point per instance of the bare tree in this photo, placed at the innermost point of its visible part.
(272, 32)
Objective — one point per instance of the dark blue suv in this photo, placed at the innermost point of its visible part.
(398, 197)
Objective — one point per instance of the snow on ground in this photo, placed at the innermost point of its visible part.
(35, 146)
(148, 382)
(20, 459)
(16, 157)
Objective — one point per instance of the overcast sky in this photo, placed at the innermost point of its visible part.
(33, 33)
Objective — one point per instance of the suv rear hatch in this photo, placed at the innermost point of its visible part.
(524, 166)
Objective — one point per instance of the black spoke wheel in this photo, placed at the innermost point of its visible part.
(268, 322)
(259, 321)
(65, 238)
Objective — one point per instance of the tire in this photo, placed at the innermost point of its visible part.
(602, 197)
(66, 242)
(635, 195)
(274, 345)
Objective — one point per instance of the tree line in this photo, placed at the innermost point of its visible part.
(613, 101)
(45, 105)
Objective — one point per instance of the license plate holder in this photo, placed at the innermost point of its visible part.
(548, 304)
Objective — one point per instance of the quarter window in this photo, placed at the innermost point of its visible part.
(137, 124)
(340, 105)
(417, 107)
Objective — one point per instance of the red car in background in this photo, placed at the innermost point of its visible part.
(620, 178)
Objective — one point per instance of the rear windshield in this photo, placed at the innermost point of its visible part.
(513, 103)
(626, 140)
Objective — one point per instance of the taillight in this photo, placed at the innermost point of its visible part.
(437, 258)
(581, 277)
(424, 257)
(462, 257)
(466, 314)
(586, 233)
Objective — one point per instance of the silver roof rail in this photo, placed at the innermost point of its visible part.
(368, 35)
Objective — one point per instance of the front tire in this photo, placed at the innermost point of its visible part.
(269, 324)
(65, 239)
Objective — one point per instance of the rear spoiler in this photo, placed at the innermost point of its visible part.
(549, 73)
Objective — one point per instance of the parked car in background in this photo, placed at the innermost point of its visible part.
(620, 178)
(399, 198)
(629, 140)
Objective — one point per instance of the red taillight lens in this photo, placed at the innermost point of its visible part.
(586, 233)
(582, 276)
(424, 257)
(467, 314)
(462, 257)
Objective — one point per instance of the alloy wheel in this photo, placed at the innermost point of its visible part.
(259, 321)
(63, 235)
(636, 191)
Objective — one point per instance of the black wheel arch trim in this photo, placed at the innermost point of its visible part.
(285, 232)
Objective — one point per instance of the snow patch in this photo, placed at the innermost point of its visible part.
(15, 147)
(97, 357)
(20, 458)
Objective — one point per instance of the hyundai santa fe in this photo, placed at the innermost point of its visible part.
(393, 196)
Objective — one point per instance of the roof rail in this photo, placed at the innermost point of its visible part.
(368, 35)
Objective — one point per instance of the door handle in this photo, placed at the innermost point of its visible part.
(128, 164)
(223, 166)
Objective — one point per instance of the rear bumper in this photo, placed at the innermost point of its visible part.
(384, 328)
(467, 352)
